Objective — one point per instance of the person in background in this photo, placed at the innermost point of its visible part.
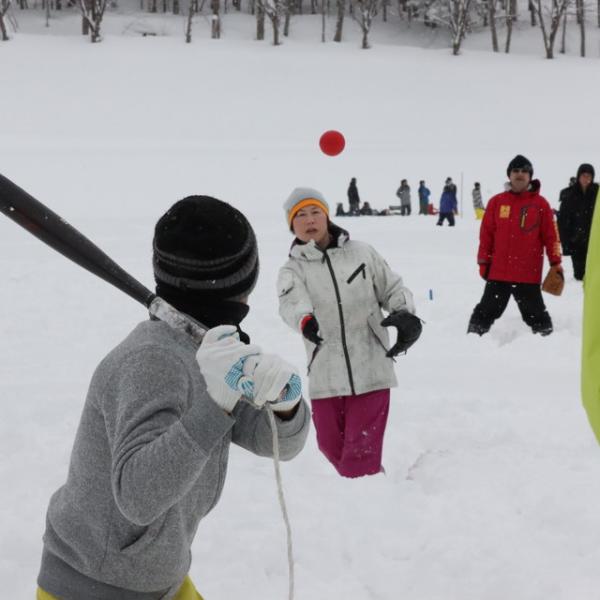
(424, 194)
(403, 192)
(575, 217)
(367, 210)
(518, 225)
(332, 291)
(448, 203)
(353, 198)
(478, 205)
(150, 455)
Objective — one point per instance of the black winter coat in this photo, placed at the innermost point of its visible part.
(575, 217)
(353, 197)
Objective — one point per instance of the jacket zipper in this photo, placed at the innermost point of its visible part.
(341, 313)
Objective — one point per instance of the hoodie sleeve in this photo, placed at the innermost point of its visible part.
(159, 440)
(252, 431)
(389, 287)
(294, 301)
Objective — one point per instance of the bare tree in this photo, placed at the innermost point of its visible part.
(493, 28)
(581, 21)
(563, 40)
(4, 6)
(531, 9)
(273, 9)
(215, 19)
(288, 10)
(92, 12)
(555, 12)
(188, 28)
(366, 11)
(260, 21)
(455, 15)
(511, 17)
(339, 23)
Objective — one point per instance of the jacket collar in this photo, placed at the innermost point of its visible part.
(310, 250)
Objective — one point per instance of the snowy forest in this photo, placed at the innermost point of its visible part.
(457, 18)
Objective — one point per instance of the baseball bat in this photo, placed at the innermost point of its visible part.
(54, 231)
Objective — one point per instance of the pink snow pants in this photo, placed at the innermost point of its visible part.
(350, 431)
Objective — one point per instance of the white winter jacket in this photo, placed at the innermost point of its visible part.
(345, 287)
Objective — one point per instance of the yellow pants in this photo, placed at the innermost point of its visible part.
(479, 213)
(187, 591)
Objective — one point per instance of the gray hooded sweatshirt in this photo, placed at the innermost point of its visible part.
(148, 462)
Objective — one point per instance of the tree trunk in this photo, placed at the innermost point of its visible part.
(339, 24)
(3, 31)
(176, 7)
(531, 8)
(288, 18)
(322, 21)
(384, 4)
(188, 29)
(365, 39)
(260, 22)
(509, 27)
(215, 30)
(581, 14)
(493, 29)
(275, 25)
(563, 41)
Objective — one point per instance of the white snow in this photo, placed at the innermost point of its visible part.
(493, 475)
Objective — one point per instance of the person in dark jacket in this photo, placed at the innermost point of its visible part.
(151, 451)
(403, 193)
(353, 198)
(448, 203)
(424, 194)
(575, 217)
(518, 225)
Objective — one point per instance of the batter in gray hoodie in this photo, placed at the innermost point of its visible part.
(148, 463)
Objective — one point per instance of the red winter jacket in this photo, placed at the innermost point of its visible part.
(514, 232)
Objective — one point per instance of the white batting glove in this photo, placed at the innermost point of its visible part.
(221, 358)
(274, 381)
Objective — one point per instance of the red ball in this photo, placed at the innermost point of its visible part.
(332, 142)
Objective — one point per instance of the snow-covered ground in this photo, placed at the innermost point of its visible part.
(493, 475)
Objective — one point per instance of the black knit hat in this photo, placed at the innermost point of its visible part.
(520, 162)
(586, 168)
(204, 248)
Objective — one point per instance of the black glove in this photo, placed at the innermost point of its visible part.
(310, 329)
(409, 329)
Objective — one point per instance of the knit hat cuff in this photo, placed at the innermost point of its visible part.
(244, 273)
(303, 204)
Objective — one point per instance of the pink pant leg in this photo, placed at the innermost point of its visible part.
(328, 417)
(365, 421)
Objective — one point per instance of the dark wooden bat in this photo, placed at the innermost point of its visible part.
(54, 231)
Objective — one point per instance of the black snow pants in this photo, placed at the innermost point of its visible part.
(578, 259)
(446, 215)
(495, 298)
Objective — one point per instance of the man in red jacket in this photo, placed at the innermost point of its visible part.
(517, 227)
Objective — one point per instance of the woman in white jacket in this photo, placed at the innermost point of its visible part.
(332, 290)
